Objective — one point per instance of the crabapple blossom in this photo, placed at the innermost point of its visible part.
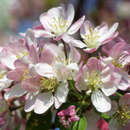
(99, 81)
(57, 22)
(119, 56)
(121, 114)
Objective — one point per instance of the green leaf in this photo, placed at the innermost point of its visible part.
(81, 124)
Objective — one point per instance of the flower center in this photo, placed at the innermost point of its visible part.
(22, 54)
(25, 75)
(93, 81)
(117, 64)
(48, 84)
(91, 39)
(123, 115)
(59, 25)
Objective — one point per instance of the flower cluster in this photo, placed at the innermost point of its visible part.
(47, 67)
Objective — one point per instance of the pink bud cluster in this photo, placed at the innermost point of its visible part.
(68, 116)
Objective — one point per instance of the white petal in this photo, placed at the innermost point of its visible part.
(109, 90)
(61, 94)
(44, 69)
(75, 27)
(9, 61)
(106, 78)
(43, 102)
(73, 42)
(15, 91)
(30, 101)
(109, 33)
(100, 101)
(5, 83)
(43, 33)
(70, 14)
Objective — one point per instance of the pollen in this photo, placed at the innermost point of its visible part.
(48, 84)
(94, 81)
(59, 25)
(116, 64)
(22, 54)
(123, 115)
(91, 39)
(25, 75)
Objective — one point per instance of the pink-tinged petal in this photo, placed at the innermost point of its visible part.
(47, 56)
(43, 102)
(31, 84)
(103, 28)
(125, 81)
(110, 38)
(70, 14)
(16, 74)
(117, 49)
(43, 33)
(74, 55)
(61, 94)
(44, 18)
(125, 100)
(20, 64)
(93, 64)
(44, 69)
(76, 26)
(90, 50)
(85, 28)
(76, 43)
(30, 38)
(7, 59)
(110, 33)
(15, 91)
(101, 102)
(33, 54)
(80, 83)
(30, 101)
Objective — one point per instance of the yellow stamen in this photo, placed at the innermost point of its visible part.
(91, 39)
(48, 84)
(123, 115)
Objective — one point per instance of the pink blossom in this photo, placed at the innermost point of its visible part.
(57, 23)
(68, 116)
(98, 80)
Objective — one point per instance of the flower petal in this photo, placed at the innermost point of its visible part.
(75, 27)
(74, 42)
(61, 94)
(109, 90)
(43, 33)
(44, 69)
(43, 102)
(70, 14)
(15, 91)
(5, 83)
(29, 104)
(101, 102)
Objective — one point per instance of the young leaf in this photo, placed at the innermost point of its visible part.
(80, 125)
